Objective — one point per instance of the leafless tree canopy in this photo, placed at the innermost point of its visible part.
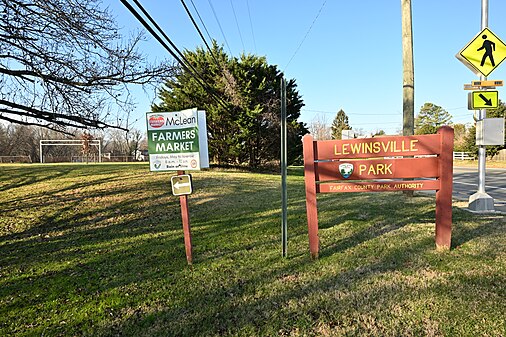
(63, 63)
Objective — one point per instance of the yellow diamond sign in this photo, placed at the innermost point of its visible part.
(484, 53)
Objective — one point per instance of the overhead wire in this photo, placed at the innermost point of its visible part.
(186, 65)
(200, 32)
(217, 62)
(237, 24)
(352, 113)
(201, 21)
(305, 36)
(251, 26)
(219, 25)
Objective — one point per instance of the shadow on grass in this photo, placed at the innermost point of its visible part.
(107, 258)
(360, 294)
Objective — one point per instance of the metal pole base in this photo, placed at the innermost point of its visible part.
(481, 202)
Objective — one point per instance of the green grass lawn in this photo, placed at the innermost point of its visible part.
(97, 250)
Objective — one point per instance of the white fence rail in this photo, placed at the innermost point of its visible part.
(463, 156)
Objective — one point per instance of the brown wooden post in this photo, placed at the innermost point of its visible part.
(185, 217)
(310, 182)
(444, 194)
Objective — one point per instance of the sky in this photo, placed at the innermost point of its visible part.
(343, 54)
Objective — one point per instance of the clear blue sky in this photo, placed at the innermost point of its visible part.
(351, 59)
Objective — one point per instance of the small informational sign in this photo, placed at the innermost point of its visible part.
(488, 99)
(490, 131)
(181, 184)
(483, 53)
(177, 140)
(488, 83)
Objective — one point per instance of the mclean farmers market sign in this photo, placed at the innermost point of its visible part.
(177, 140)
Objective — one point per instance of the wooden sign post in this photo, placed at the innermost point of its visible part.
(185, 217)
(361, 165)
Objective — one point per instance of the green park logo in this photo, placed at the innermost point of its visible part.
(346, 170)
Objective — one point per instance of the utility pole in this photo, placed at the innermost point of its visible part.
(408, 78)
(481, 201)
(408, 75)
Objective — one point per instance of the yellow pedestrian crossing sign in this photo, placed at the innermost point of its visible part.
(484, 53)
(485, 99)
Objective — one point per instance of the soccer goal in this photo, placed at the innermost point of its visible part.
(70, 142)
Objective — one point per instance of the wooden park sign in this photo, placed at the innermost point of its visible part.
(379, 165)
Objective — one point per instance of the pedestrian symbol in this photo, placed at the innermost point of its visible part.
(489, 47)
(484, 53)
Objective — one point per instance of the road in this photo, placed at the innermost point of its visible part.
(465, 183)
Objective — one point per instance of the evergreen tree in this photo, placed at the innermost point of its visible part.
(430, 118)
(245, 127)
(339, 124)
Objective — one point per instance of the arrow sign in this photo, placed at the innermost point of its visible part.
(486, 99)
(181, 184)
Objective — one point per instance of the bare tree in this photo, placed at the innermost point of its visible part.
(64, 64)
(319, 128)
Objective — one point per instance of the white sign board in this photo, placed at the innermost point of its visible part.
(177, 140)
(490, 131)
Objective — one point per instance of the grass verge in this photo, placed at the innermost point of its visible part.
(97, 250)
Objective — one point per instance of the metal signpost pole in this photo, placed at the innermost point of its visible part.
(481, 201)
(482, 154)
(284, 194)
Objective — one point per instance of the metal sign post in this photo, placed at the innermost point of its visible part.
(481, 201)
(284, 194)
(483, 54)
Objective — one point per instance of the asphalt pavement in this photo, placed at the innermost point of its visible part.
(465, 183)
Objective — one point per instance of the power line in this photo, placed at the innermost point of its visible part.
(185, 66)
(375, 123)
(220, 67)
(307, 33)
(201, 21)
(352, 113)
(237, 24)
(219, 25)
(200, 32)
(251, 26)
(188, 63)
